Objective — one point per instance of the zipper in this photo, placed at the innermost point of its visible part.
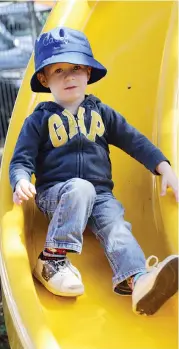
(80, 147)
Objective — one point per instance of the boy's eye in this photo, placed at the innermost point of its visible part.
(59, 70)
(76, 67)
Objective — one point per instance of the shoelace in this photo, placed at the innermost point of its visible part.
(154, 265)
(131, 282)
(57, 264)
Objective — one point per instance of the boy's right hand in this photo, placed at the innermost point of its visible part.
(23, 191)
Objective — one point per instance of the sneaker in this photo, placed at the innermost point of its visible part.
(155, 287)
(59, 276)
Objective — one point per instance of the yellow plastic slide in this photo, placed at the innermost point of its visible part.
(137, 42)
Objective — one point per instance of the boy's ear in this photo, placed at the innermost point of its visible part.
(41, 77)
(88, 73)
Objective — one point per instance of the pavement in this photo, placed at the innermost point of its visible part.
(4, 344)
(1, 151)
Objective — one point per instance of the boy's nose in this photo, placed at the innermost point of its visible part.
(69, 74)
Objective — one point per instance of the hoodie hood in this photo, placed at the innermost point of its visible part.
(90, 101)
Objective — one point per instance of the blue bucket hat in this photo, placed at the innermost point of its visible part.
(64, 45)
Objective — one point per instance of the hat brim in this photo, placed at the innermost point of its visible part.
(98, 71)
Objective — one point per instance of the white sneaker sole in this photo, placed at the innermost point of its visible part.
(164, 286)
(75, 293)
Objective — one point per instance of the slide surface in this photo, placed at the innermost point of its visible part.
(137, 42)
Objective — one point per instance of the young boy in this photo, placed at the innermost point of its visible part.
(65, 143)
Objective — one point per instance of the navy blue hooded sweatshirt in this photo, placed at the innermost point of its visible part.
(57, 146)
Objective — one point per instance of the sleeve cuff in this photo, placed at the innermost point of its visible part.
(17, 176)
(156, 163)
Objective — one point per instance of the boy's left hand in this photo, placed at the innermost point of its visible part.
(169, 179)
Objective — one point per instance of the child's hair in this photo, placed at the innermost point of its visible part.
(42, 71)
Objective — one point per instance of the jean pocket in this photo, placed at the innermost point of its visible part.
(47, 206)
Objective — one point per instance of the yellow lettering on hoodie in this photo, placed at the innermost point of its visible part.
(97, 126)
(81, 122)
(73, 127)
(57, 132)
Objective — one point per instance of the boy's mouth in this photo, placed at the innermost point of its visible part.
(70, 87)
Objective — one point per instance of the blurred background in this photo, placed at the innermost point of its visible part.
(20, 23)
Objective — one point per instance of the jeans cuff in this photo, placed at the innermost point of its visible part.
(119, 278)
(64, 245)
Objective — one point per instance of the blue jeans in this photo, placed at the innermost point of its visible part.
(74, 204)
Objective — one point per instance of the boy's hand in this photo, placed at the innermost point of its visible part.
(24, 190)
(169, 179)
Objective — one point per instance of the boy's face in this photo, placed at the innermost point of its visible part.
(66, 81)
